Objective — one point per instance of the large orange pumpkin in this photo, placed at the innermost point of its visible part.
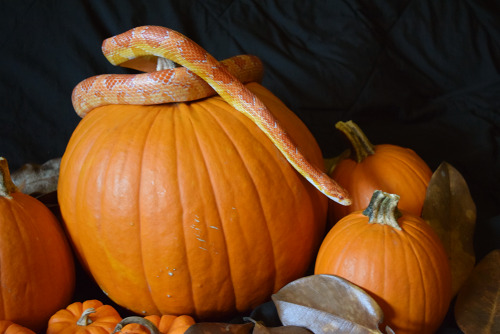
(397, 258)
(390, 168)
(36, 262)
(188, 208)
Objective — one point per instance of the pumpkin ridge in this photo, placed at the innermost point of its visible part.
(139, 201)
(260, 200)
(361, 238)
(19, 214)
(410, 167)
(387, 260)
(3, 208)
(97, 146)
(75, 144)
(273, 150)
(352, 240)
(416, 237)
(254, 187)
(195, 130)
(33, 225)
(183, 200)
(83, 180)
(418, 251)
(423, 235)
(96, 118)
(145, 138)
(111, 153)
(28, 210)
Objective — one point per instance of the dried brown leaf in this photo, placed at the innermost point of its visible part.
(35, 179)
(328, 304)
(477, 308)
(262, 329)
(450, 210)
(219, 328)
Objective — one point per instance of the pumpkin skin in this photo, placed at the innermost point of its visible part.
(390, 168)
(166, 205)
(70, 320)
(406, 271)
(36, 262)
(8, 327)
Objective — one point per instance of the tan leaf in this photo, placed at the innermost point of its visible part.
(36, 180)
(477, 308)
(328, 304)
(450, 210)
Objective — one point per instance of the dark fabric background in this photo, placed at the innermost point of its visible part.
(421, 74)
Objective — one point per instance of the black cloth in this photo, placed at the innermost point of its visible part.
(420, 74)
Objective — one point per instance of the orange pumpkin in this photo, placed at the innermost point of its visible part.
(89, 317)
(8, 327)
(397, 258)
(165, 324)
(36, 261)
(390, 168)
(188, 208)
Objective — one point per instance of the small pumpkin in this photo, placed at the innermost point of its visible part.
(88, 317)
(390, 168)
(165, 324)
(36, 262)
(397, 258)
(9, 327)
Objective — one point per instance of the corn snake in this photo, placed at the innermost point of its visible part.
(148, 41)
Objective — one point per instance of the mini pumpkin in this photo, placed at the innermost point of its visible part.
(390, 168)
(397, 258)
(8, 327)
(88, 317)
(36, 261)
(165, 324)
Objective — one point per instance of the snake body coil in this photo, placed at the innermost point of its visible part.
(162, 42)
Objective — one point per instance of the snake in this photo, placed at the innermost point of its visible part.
(196, 65)
(161, 84)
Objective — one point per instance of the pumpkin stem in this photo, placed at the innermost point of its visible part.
(136, 320)
(383, 209)
(164, 64)
(361, 145)
(84, 318)
(7, 187)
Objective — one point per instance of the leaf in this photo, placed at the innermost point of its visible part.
(36, 180)
(450, 210)
(328, 304)
(259, 328)
(219, 328)
(477, 308)
(267, 314)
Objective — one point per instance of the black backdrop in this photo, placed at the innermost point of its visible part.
(421, 74)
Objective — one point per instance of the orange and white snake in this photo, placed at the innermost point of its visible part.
(163, 86)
